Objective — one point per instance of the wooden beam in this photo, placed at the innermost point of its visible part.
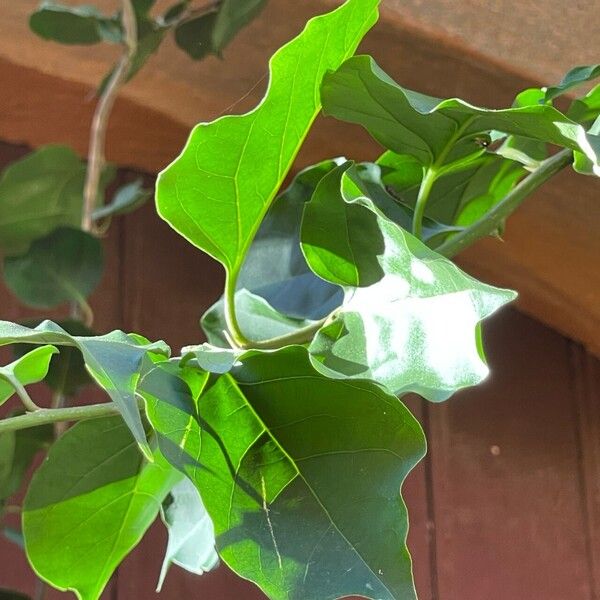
(552, 245)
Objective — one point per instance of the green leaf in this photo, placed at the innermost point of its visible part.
(74, 24)
(17, 451)
(38, 193)
(275, 268)
(191, 532)
(574, 78)
(194, 36)
(413, 327)
(587, 108)
(219, 189)
(64, 266)
(67, 373)
(30, 368)
(126, 199)
(258, 319)
(93, 498)
(114, 361)
(300, 473)
(436, 132)
(232, 16)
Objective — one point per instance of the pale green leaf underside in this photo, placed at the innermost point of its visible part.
(300, 474)
(414, 326)
(114, 360)
(30, 368)
(89, 504)
(218, 190)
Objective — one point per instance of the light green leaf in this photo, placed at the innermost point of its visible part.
(219, 189)
(64, 266)
(436, 132)
(67, 373)
(275, 268)
(300, 473)
(258, 319)
(17, 451)
(587, 108)
(574, 78)
(30, 368)
(191, 543)
(114, 361)
(582, 164)
(93, 498)
(414, 326)
(38, 193)
(74, 24)
(126, 199)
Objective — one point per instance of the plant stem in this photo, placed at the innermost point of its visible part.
(424, 191)
(492, 220)
(235, 331)
(43, 416)
(96, 160)
(28, 403)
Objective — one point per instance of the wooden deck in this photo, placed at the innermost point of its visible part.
(505, 507)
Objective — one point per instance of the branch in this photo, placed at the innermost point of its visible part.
(44, 416)
(96, 160)
(493, 219)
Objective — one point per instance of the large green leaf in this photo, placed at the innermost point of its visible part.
(413, 326)
(89, 504)
(434, 131)
(17, 451)
(574, 78)
(300, 473)
(74, 24)
(29, 368)
(191, 543)
(114, 360)
(219, 189)
(64, 266)
(39, 193)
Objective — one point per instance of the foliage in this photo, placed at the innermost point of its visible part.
(280, 446)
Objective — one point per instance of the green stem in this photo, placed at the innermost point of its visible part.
(43, 416)
(424, 191)
(235, 332)
(28, 403)
(494, 218)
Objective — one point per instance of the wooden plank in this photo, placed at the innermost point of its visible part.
(507, 495)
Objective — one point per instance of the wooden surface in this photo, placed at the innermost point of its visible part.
(506, 506)
(552, 245)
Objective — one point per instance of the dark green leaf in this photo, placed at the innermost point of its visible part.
(38, 193)
(300, 473)
(191, 532)
(64, 266)
(219, 189)
(275, 267)
(74, 24)
(232, 16)
(17, 451)
(194, 36)
(114, 360)
(436, 132)
(29, 368)
(574, 78)
(126, 200)
(142, 7)
(67, 373)
(93, 498)
(413, 327)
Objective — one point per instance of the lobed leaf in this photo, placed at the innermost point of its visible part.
(299, 472)
(64, 266)
(219, 189)
(410, 318)
(93, 497)
(114, 360)
(437, 132)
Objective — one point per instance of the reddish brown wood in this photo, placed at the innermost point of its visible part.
(506, 485)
